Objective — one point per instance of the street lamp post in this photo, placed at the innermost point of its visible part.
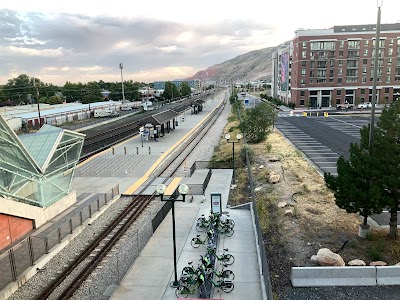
(228, 137)
(378, 28)
(183, 189)
(121, 66)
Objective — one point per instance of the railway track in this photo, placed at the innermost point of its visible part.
(94, 253)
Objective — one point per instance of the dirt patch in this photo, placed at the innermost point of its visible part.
(310, 220)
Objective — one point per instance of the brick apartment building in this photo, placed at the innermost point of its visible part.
(324, 67)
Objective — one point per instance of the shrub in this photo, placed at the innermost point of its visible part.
(246, 149)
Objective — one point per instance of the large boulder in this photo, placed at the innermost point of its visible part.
(378, 263)
(326, 257)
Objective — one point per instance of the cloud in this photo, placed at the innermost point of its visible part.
(74, 47)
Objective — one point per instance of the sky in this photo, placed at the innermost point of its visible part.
(81, 41)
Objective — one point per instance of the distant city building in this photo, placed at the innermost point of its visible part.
(195, 83)
(325, 67)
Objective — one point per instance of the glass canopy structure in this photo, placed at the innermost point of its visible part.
(38, 168)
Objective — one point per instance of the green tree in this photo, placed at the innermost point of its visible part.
(73, 91)
(170, 91)
(386, 151)
(92, 93)
(256, 122)
(357, 187)
(185, 89)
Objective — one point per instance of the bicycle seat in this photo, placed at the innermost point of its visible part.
(226, 249)
(190, 262)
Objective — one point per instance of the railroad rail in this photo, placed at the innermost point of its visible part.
(116, 229)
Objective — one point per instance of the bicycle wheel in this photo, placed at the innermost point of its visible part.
(227, 286)
(182, 292)
(187, 271)
(229, 231)
(200, 227)
(228, 275)
(230, 223)
(228, 259)
(195, 242)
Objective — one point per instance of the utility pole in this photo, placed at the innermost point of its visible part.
(37, 99)
(377, 40)
(121, 66)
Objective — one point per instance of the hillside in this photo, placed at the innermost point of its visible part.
(249, 66)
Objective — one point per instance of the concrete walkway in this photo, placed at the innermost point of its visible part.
(151, 274)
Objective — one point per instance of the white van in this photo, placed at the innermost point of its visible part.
(100, 113)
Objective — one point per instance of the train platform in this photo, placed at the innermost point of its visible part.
(153, 271)
(128, 165)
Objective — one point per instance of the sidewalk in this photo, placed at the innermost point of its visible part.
(152, 272)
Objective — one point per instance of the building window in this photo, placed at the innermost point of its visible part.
(303, 81)
(388, 79)
(301, 102)
(390, 51)
(330, 79)
(364, 80)
(311, 80)
(391, 42)
(331, 73)
(365, 61)
(362, 91)
(338, 101)
(387, 90)
(340, 62)
(340, 71)
(389, 70)
(398, 42)
(304, 54)
(390, 60)
(366, 42)
(302, 93)
(338, 92)
(339, 80)
(364, 70)
(332, 63)
(312, 64)
(365, 52)
(341, 44)
(341, 53)
(313, 93)
(304, 44)
(303, 63)
(321, 80)
(303, 71)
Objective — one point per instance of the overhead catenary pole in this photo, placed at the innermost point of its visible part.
(374, 93)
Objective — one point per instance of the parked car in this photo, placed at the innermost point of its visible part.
(364, 105)
(344, 105)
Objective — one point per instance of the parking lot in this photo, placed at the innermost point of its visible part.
(323, 139)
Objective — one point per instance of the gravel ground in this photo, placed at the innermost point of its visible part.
(32, 288)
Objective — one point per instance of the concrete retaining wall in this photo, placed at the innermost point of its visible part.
(345, 276)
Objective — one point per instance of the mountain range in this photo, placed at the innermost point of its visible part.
(253, 65)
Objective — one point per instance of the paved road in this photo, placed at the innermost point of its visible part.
(323, 140)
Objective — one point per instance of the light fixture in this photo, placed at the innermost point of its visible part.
(161, 189)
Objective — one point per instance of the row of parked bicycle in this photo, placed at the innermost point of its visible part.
(202, 278)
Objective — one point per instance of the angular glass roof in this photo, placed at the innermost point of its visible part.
(38, 168)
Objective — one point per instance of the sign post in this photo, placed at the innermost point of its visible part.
(216, 203)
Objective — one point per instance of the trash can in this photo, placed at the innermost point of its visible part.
(176, 123)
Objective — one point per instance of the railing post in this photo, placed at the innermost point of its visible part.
(46, 245)
(98, 204)
(31, 255)
(125, 150)
(70, 226)
(149, 150)
(12, 264)
(80, 217)
(59, 234)
(90, 210)
(137, 150)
